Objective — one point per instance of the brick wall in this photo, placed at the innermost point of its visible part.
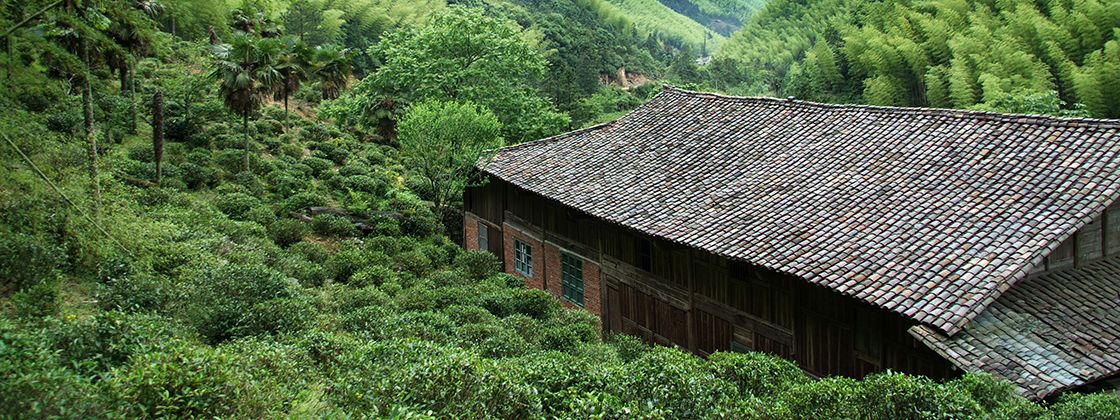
(591, 288)
(470, 231)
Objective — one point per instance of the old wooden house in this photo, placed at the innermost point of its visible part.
(850, 239)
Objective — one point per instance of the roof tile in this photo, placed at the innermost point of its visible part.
(803, 188)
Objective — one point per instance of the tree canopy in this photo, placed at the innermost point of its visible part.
(462, 55)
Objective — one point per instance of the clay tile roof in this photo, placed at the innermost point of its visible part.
(1046, 334)
(930, 213)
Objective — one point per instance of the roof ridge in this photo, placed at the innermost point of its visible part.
(1036, 119)
(550, 139)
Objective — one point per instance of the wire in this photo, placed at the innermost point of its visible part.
(68, 200)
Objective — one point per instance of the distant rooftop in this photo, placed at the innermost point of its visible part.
(930, 213)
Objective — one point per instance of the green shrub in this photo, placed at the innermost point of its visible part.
(251, 183)
(36, 385)
(344, 263)
(493, 340)
(287, 231)
(566, 337)
(142, 152)
(469, 314)
(534, 303)
(223, 299)
(108, 339)
(302, 171)
(318, 165)
(36, 302)
(185, 382)
(1073, 406)
(300, 202)
(390, 245)
(285, 184)
(374, 275)
(675, 383)
(308, 273)
(237, 205)
(279, 316)
(756, 374)
(294, 150)
(194, 176)
(133, 293)
(528, 328)
(385, 226)
(413, 261)
(354, 299)
(364, 183)
(438, 254)
(356, 168)
(233, 160)
(418, 220)
(477, 264)
(629, 347)
(333, 225)
(25, 261)
(311, 251)
(448, 278)
(996, 396)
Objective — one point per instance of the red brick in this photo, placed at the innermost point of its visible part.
(470, 231)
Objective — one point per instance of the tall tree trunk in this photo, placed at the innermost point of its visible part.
(132, 96)
(91, 137)
(157, 134)
(285, 113)
(124, 80)
(245, 126)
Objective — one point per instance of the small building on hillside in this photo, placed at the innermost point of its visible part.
(850, 239)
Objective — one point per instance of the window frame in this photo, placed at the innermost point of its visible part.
(571, 278)
(523, 257)
(483, 236)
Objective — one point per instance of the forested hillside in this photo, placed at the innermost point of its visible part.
(226, 209)
(1021, 56)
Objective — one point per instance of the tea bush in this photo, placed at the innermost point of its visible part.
(237, 205)
(225, 297)
(26, 261)
(333, 225)
(477, 264)
(318, 165)
(286, 232)
(755, 374)
(301, 201)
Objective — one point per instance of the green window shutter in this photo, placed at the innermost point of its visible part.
(571, 269)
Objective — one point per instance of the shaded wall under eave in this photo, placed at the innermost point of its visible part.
(672, 295)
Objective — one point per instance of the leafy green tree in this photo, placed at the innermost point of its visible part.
(313, 22)
(442, 140)
(462, 55)
(1034, 103)
(332, 66)
(292, 65)
(245, 69)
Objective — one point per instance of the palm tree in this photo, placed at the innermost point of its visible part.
(292, 64)
(332, 68)
(247, 74)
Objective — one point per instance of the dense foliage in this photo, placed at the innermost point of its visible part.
(320, 282)
(957, 54)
